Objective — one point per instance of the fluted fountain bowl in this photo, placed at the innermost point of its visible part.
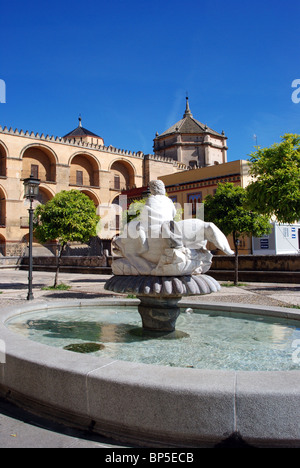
(159, 296)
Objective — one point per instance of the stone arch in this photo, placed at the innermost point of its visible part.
(92, 196)
(37, 244)
(3, 158)
(84, 170)
(2, 246)
(44, 195)
(40, 161)
(122, 175)
(2, 207)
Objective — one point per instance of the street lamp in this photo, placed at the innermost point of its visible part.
(31, 191)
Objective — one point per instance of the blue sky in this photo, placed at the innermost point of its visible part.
(126, 67)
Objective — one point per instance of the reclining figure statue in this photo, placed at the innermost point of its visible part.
(156, 245)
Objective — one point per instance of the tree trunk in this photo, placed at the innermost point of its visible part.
(58, 262)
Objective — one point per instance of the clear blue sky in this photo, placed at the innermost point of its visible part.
(126, 67)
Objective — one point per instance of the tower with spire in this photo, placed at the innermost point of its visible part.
(191, 142)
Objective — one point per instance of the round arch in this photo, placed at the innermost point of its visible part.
(3, 158)
(85, 153)
(4, 147)
(4, 193)
(3, 198)
(122, 174)
(2, 246)
(84, 169)
(40, 161)
(41, 146)
(115, 200)
(25, 240)
(126, 163)
(45, 194)
(92, 196)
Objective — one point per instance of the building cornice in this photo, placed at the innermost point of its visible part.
(70, 142)
(205, 182)
(91, 146)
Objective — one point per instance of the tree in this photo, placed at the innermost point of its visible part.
(68, 217)
(134, 210)
(227, 210)
(275, 189)
(137, 206)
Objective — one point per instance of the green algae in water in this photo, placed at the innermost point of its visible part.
(84, 347)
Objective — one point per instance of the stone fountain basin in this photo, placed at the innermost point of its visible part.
(150, 405)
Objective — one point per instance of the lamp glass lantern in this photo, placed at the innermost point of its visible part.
(31, 187)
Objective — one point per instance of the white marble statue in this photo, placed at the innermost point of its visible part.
(155, 244)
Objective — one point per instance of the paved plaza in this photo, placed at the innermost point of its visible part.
(19, 429)
(14, 284)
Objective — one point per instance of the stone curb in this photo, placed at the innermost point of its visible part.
(151, 405)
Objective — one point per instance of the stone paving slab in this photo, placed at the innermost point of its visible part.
(19, 429)
(13, 289)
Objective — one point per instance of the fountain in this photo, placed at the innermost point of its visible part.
(161, 260)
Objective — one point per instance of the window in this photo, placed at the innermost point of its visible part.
(79, 177)
(195, 199)
(34, 169)
(117, 182)
(118, 222)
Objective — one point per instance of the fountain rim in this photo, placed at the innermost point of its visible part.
(84, 388)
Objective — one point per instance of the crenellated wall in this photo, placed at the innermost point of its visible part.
(100, 171)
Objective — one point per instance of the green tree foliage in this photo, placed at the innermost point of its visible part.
(68, 217)
(136, 207)
(227, 210)
(134, 210)
(275, 189)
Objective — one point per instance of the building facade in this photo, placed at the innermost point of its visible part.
(79, 160)
(190, 188)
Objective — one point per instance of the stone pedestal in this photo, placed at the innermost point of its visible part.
(159, 314)
(160, 295)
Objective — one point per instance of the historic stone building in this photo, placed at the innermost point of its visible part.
(79, 160)
(191, 143)
(190, 188)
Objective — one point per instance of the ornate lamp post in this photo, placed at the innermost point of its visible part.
(31, 191)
